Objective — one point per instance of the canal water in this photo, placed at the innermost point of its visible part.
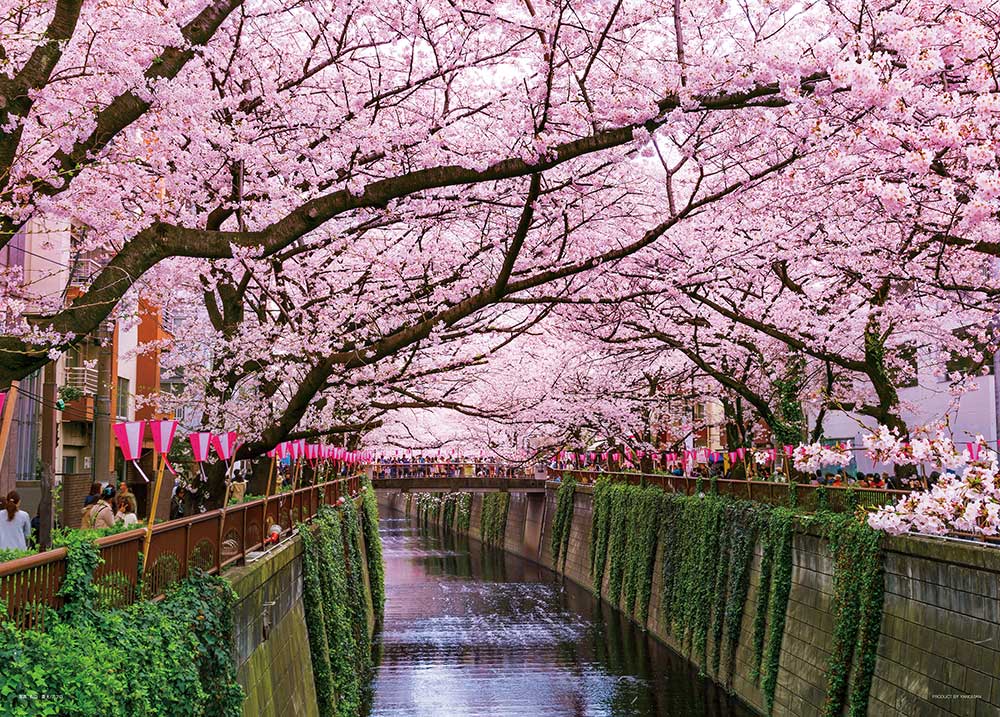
(472, 631)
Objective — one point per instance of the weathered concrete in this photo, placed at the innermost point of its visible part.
(939, 651)
(272, 642)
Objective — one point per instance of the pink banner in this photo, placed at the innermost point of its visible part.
(129, 437)
(225, 444)
(163, 435)
(200, 443)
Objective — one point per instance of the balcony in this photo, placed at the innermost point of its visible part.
(84, 268)
(82, 378)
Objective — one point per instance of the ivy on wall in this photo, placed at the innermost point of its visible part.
(643, 536)
(173, 657)
(358, 598)
(336, 606)
(448, 511)
(780, 544)
(562, 521)
(463, 511)
(858, 600)
(600, 531)
(373, 549)
(493, 522)
(706, 545)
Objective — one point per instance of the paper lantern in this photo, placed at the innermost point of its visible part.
(163, 435)
(129, 437)
(200, 443)
(225, 444)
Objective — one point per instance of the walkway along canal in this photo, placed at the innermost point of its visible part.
(472, 630)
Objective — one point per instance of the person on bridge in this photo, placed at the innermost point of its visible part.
(15, 524)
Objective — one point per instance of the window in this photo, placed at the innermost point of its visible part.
(69, 464)
(123, 396)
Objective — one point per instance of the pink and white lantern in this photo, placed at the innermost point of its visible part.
(200, 443)
(163, 438)
(129, 436)
(225, 444)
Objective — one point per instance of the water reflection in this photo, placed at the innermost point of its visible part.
(474, 631)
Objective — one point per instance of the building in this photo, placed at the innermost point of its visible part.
(56, 268)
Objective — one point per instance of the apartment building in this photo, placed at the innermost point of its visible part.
(56, 268)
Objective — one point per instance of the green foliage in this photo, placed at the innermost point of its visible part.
(373, 549)
(428, 508)
(463, 512)
(562, 521)
(744, 525)
(618, 540)
(822, 498)
(171, 658)
(448, 511)
(493, 523)
(780, 544)
(789, 419)
(707, 545)
(858, 597)
(356, 586)
(13, 554)
(600, 532)
(312, 598)
(644, 508)
(336, 604)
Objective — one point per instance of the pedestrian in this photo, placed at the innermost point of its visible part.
(102, 513)
(126, 510)
(15, 524)
(93, 496)
(177, 503)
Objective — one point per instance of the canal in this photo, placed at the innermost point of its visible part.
(472, 631)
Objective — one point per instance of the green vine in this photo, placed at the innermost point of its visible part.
(493, 521)
(336, 604)
(600, 532)
(562, 521)
(618, 540)
(645, 510)
(463, 512)
(356, 587)
(780, 532)
(373, 550)
(706, 546)
(173, 657)
(858, 597)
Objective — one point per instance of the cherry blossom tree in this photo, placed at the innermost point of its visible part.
(362, 202)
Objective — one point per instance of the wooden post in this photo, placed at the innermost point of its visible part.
(225, 504)
(152, 508)
(6, 418)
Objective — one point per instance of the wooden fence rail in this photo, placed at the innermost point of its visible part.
(30, 584)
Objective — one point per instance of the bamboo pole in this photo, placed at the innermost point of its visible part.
(152, 508)
(225, 503)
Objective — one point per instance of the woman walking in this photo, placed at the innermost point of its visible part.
(15, 524)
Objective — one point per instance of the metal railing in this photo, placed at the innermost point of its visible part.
(30, 585)
(772, 493)
(442, 469)
(82, 378)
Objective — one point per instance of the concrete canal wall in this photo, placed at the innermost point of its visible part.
(272, 642)
(939, 648)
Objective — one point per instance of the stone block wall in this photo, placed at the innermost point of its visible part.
(939, 650)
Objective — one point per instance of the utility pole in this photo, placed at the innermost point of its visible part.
(49, 428)
(102, 405)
